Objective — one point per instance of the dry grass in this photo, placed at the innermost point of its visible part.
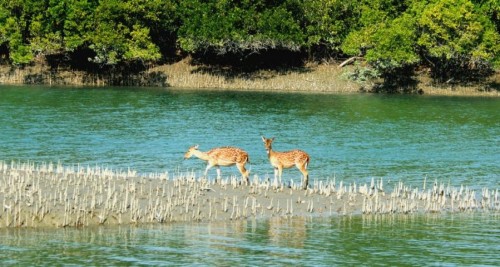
(42, 74)
(491, 88)
(323, 77)
(311, 78)
(459, 91)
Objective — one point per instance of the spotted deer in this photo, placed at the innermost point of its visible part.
(222, 156)
(288, 159)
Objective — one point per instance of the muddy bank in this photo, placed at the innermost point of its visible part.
(57, 196)
(329, 78)
(42, 74)
(182, 74)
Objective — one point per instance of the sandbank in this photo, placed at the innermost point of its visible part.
(52, 195)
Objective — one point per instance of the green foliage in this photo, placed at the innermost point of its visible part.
(20, 53)
(456, 39)
(362, 74)
(140, 47)
(4, 17)
(449, 28)
(120, 37)
(327, 22)
(78, 23)
(117, 31)
(15, 16)
(394, 43)
(376, 20)
(238, 26)
(386, 39)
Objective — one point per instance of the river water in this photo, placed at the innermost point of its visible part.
(388, 240)
(353, 137)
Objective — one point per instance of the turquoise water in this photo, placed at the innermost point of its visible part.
(405, 240)
(349, 137)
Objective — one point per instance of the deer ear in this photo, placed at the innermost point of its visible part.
(263, 139)
(196, 146)
(272, 139)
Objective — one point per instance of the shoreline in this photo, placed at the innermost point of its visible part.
(52, 195)
(181, 75)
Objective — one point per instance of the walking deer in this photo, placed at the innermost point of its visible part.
(222, 156)
(288, 159)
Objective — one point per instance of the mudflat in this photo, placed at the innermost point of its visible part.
(51, 195)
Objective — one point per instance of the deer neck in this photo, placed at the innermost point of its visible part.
(270, 152)
(201, 155)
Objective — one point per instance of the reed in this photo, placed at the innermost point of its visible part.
(312, 77)
(48, 194)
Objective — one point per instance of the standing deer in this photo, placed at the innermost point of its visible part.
(222, 156)
(288, 159)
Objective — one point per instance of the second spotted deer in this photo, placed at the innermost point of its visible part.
(288, 159)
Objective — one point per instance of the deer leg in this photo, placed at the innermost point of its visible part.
(305, 173)
(218, 173)
(208, 168)
(306, 180)
(276, 175)
(280, 171)
(244, 173)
